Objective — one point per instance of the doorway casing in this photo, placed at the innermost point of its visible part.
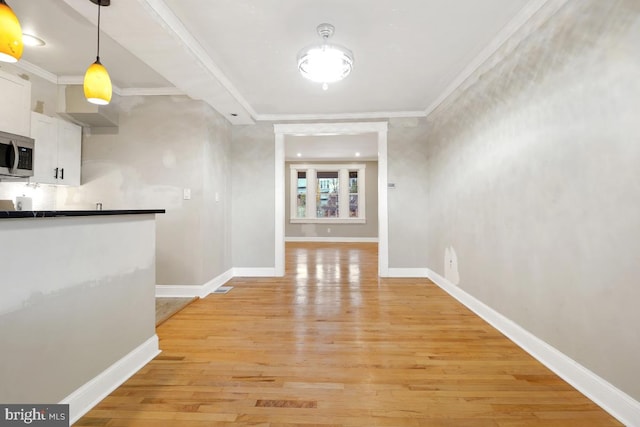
(318, 129)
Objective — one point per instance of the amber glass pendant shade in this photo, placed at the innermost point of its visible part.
(97, 84)
(11, 45)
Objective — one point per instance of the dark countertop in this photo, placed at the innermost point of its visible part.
(55, 214)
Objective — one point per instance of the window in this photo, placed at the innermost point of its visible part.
(327, 193)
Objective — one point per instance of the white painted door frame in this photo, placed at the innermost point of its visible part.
(310, 129)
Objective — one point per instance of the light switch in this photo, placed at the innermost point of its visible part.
(186, 194)
(217, 196)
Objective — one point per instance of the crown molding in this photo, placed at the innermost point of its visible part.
(306, 129)
(151, 91)
(38, 71)
(78, 80)
(339, 116)
(164, 13)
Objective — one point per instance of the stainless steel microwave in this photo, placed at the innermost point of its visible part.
(16, 155)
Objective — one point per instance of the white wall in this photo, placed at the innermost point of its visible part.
(534, 184)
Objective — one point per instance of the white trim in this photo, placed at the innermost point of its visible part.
(328, 220)
(195, 48)
(338, 116)
(383, 211)
(332, 239)
(353, 128)
(90, 394)
(280, 215)
(408, 272)
(254, 272)
(193, 291)
(37, 71)
(505, 34)
(216, 282)
(179, 291)
(611, 399)
(311, 170)
(79, 80)
(151, 91)
(327, 167)
(70, 80)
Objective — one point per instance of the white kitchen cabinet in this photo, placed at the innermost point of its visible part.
(15, 104)
(57, 153)
(69, 153)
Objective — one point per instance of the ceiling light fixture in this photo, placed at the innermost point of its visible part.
(30, 40)
(10, 34)
(97, 83)
(325, 63)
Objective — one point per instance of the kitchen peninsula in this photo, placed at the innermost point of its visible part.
(77, 306)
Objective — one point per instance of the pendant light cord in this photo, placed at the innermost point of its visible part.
(98, 49)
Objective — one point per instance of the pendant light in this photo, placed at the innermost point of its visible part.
(97, 83)
(10, 34)
(325, 63)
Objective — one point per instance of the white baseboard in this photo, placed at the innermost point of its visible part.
(179, 291)
(254, 272)
(408, 272)
(91, 393)
(193, 291)
(619, 404)
(333, 239)
(216, 282)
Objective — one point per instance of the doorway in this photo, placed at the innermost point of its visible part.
(320, 129)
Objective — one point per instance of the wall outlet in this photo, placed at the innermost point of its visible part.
(329, 230)
(186, 194)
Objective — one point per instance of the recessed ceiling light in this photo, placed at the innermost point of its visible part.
(357, 154)
(30, 40)
(299, 154)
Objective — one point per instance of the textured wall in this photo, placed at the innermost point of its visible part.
(253, 191)
(534, 185)
(61, 326)
(216, 193)
(368, 230)
(164, 145)
(407, 202)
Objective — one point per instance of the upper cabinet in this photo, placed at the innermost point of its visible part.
(69, 153)
(15, 104)
(57, 153)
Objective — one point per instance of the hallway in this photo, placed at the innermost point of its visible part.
(332, 345)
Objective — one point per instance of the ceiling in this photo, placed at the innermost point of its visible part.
(239, 56)
(358, 147)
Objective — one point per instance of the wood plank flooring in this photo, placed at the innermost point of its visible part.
(330, 344)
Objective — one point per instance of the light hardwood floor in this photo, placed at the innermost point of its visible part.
(330, 344)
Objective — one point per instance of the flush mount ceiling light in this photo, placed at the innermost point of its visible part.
(325, 63)
(10, 34)
(97, 83)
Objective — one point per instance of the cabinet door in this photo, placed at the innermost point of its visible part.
(44, 130)
(69, 153)
(15, 101)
